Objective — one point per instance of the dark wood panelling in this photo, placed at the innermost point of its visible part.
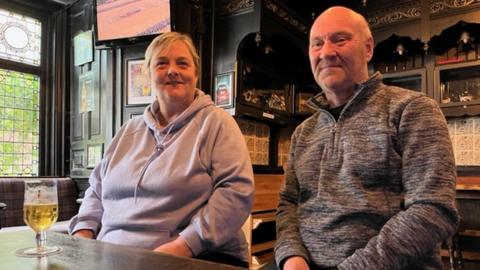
(88, 128)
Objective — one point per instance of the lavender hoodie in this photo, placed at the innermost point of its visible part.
(192, 178)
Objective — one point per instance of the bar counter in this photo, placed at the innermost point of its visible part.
(86, 254)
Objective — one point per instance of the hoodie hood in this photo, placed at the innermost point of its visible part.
(201, 101)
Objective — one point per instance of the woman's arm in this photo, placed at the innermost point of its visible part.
(231, 200)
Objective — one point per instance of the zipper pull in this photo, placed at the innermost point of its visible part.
(334, 128)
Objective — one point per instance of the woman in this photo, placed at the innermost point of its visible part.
(169, 182)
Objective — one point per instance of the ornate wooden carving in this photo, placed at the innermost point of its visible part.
(395, 14)
(411, 9)
(229, 7)
(285, 16)
(437, 6)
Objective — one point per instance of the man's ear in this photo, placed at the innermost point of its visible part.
(369, 45)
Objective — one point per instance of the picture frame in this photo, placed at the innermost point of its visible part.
(83, 48)
(86, 98)
(94, 155)
(224, 89)
(138, 90)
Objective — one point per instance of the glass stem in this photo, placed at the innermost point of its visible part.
(41, 238)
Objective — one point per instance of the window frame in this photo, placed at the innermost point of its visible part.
(48, 157)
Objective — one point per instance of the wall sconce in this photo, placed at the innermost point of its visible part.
(425, 47)
(267, 48)
(258, 39)
(465, 37)
(465, 43)
(400, 50)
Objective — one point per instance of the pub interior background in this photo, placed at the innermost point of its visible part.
(259, 49)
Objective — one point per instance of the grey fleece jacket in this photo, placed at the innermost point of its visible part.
(155, 184)
(373, 190)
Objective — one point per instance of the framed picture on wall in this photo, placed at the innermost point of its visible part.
(224, 89)
(83, 48)
(86, 99)
(138, 86)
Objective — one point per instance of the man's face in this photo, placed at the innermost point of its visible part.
(339, 51)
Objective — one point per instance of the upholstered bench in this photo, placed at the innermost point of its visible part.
(12, 193)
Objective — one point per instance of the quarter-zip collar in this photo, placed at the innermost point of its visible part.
(319, 101)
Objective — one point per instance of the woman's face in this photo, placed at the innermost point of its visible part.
(173, 74)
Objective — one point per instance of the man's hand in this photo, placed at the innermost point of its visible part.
(176, 247)
(295, 263)
(84, 233)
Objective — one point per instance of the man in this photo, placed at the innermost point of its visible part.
(370, 182)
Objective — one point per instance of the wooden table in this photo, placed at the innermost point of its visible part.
(85, 254)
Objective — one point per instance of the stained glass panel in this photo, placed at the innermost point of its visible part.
(20, 38)
(19, 123)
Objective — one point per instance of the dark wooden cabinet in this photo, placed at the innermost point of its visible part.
(458, 88)
(414, 79)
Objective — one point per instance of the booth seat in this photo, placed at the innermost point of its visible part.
(12, 196)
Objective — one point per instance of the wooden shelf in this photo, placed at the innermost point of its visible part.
(467, 255)
(263, 246)
(472, 233)
(260, 218)
(468, 183)
(258, 261)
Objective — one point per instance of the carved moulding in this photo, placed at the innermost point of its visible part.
(229, 7)
(413, 10)
(437, 6)
(394, 14)
(285, 16)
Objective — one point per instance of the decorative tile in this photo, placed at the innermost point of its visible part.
(250, 129)
(476, 158)
(464, 126)
(250, 143)
(266, 131)
(476, 142)
(451, 125)
(476, 125)
(252, 156)
(265, 158)
(464, 142)
(259, 131)
(465, 157)
(453, 139)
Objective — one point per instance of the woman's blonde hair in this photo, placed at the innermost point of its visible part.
(164, 41)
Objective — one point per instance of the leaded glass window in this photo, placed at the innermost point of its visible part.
(19, 123)
(20, 38)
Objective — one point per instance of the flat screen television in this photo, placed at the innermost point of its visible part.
(124, 21)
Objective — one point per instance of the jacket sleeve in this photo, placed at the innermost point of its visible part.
(429, 174)
(89, 215)
(289, 242)
(230, 203)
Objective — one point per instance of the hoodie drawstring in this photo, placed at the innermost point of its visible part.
(158, 149)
